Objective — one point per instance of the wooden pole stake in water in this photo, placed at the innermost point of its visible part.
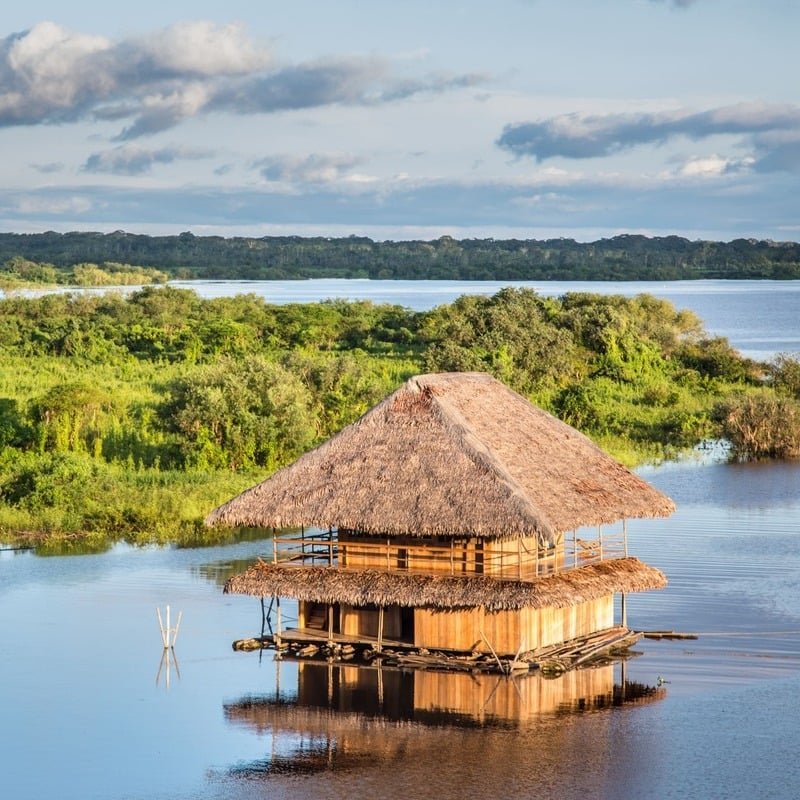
(169, 635)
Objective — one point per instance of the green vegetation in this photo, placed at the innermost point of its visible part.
(19, 273)
(131, 417)
(278, 257)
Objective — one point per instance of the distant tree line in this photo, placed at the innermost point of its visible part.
(626, 257)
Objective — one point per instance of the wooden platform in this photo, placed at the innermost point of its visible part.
(312, 643)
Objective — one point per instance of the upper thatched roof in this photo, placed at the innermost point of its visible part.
(377, 587)
(453, 454)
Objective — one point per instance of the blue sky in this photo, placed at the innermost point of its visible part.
(525, 118)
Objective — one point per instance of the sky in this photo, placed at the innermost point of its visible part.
(516, 118)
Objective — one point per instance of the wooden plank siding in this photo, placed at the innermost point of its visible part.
(508, 558)
(507, 630)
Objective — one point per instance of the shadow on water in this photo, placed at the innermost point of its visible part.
(340, 717)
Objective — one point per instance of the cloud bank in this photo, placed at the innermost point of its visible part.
(51, 75)
(773, 131)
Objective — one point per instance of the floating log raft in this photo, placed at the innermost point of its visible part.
(610, 644)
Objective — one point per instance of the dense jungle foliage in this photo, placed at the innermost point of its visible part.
(134, 416)
(18, 272)
(627, 257)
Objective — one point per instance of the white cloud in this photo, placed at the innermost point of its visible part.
(312, 169)
(49, 74)
(135, 160)
(582, 136)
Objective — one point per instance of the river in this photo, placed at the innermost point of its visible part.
(88, 711)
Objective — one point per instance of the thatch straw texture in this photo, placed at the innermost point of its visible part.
(454, 454)
(446, 592)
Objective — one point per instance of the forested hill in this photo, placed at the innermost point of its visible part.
(626, 257)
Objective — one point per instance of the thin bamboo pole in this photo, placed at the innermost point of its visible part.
(278, 629)
(600, 538)
(379, 646)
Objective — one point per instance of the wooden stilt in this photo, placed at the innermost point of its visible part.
(600, 537)
(263, 616)
(624, 610)
(278, 628)
(379, 645)
(330, 625)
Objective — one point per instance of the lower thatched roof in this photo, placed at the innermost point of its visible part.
(376, 587)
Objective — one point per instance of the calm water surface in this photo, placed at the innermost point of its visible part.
(87, 711)
(86, 714)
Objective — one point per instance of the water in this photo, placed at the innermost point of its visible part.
(87, 712)
(84, 716)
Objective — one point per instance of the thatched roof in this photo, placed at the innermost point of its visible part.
(453, 454)
(369, 586)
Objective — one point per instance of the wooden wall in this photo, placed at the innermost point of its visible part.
(364, 622)
(507, 630)
(443, 555)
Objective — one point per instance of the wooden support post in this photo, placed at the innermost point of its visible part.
(278, 629)
(330, 625)
(452, 557)
(379, 645)
(263, 616)
(330, 547)
(624, 610)
(600, 537)
(274, 548)
(519, 558)
(388, 562)
(625, 536)
(575, 547)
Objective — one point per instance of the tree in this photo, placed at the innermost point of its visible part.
(239, 414)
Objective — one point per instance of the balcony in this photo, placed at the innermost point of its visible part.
(513, 559)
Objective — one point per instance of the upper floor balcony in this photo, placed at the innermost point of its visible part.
(524, 559)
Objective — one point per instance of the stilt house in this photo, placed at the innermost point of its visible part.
(455, 515)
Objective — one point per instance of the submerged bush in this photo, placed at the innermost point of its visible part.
(761, 425)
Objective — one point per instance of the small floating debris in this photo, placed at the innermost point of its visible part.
(668, 635)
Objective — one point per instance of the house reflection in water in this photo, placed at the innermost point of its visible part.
(342, 716)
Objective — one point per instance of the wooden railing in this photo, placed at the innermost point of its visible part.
(510, 559)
